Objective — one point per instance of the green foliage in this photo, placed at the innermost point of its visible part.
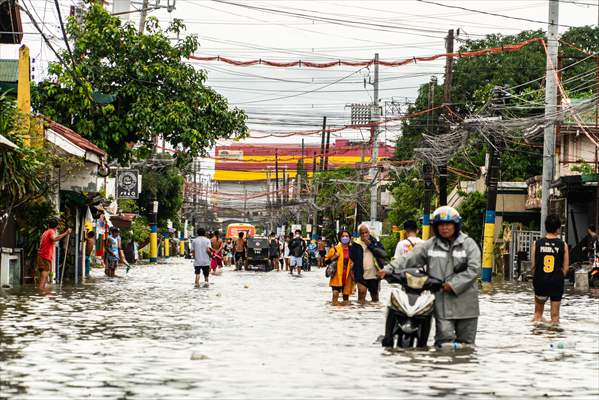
(140, 231)
(389, 242)
(128, 205)
(472, 211)
(165, 186)
(408, 193)
(584, 168)
(26, 183)
(142, 86)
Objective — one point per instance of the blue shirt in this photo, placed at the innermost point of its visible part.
(113, 246)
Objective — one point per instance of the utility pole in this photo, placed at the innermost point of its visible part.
(427, 173)
(489, 231)
(324, 128)
(447, 85)
(142, 17)
(278, 202)
(195, 195)
(326, 152)
(314, 190)
(245, 202)
(550, 110)
(376, 112)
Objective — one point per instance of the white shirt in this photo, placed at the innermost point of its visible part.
(406, 245)
(200, 246)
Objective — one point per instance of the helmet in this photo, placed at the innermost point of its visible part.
(446, 214)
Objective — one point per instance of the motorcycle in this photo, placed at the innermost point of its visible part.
(411, 306)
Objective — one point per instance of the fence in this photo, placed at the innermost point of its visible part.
(521, 244)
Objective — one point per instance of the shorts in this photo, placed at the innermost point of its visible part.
(555, 297)
(112, 263)
(551, 289)
(322, 253)
(239, 256)
(372, 285)
(337, 289)
(205, 269)
(43, 265)
(297, 261)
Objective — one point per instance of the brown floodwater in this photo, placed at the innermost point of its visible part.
(151, 334)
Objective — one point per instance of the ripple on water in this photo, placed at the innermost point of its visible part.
(272, 336)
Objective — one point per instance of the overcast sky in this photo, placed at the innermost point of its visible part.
(291, 99)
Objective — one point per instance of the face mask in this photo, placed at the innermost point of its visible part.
(345, 240)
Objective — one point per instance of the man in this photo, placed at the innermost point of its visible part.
(322, 251)
(201, 251)
(550, 264)
(411, 240)
(590, 244)
(297, 248)
(90, 249)
(274, 251)
(217, 251)
(45, 253)
(453, 257)
(113, 251)
(367, 258)
(240, 248)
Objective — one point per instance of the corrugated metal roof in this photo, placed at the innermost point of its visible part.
(9, 70)
(75, 138)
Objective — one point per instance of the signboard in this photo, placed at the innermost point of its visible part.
(375, 227)
(127, 184)
(230, 154)
(295, 227)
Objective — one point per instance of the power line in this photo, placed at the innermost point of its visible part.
(490, 13)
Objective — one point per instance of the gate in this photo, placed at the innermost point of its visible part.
(520, 251)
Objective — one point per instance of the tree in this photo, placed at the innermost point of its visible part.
(121, 89)
(472, 210)
(26, 181)
(166, 186)
(408, 195)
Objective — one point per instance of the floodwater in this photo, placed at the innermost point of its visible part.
(152, 335)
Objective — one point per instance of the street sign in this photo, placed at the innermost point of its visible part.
(127, 184)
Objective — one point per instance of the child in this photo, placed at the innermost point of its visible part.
(550, 261)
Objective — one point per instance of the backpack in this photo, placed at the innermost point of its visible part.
(297, 247)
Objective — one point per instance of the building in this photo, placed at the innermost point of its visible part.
(246, 174)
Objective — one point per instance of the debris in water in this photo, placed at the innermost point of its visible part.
(198, 356)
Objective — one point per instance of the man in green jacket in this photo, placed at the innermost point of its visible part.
(453, 257)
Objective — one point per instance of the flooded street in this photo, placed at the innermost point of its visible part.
(152, 334)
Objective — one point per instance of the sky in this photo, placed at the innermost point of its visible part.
(295, 99)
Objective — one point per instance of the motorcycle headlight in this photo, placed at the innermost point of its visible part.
(415, 282)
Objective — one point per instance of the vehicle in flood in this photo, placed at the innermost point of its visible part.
(234, 229)
(257, 254)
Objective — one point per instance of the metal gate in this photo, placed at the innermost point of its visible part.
(521, 243)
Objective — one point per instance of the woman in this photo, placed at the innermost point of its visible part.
(341, 281)
(228, 252)
(217, 246)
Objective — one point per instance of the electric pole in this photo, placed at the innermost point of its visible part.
(324, 128)
(376, 112)
(550, 110)
(447, 85)
(326, 151)
(278, 202)
(142, 17)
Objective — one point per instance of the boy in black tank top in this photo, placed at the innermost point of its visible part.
(550, 260)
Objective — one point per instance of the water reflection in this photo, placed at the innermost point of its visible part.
(152, 335)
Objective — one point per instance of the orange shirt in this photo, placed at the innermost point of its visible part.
(46, 250)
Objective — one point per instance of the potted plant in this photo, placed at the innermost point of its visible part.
(587, 174)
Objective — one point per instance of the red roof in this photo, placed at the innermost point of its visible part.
(75, 138)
